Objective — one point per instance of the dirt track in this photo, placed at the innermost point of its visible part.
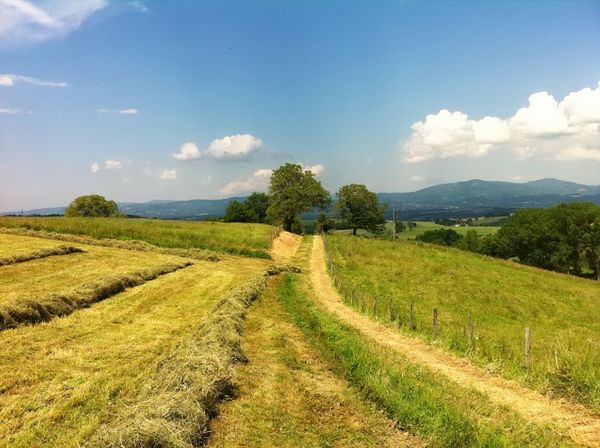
(583, 425)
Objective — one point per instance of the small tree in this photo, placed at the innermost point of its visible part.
(293, 191)
(92, 205)
(237, 212)
(360, 208)
(324, 223)
(253, 209)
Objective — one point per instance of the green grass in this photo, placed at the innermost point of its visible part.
(501, 297)
(251, 240)
(420, 401)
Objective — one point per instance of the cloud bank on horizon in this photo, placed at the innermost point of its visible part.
(568, 130)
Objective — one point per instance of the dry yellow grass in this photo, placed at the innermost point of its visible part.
(62, 381)
(64, 274)
(16, 245)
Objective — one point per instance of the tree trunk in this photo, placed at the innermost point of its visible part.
(354, 231)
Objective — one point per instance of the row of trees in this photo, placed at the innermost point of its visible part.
(565, 238)
(294, 191)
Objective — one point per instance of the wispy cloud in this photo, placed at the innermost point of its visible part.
(129, 111)
(9, 80)
(9, 111)
(230, 147)
(23, 22)
(545, 128)
(137, 6)
(94, 167)
(113, 164)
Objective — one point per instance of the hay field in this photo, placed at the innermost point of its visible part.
(501, 298)
(69, 382)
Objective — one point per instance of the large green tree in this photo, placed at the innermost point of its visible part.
(360, 209)
(92, 205)
(253, 209)
(294, 190)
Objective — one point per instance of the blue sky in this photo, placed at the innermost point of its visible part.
(99, 96)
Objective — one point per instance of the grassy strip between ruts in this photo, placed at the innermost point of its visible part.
(142, 246)
(42, 309)
(190, 383)
(42, 253)
(420, 401)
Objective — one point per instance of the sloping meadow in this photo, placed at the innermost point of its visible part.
(483, 308)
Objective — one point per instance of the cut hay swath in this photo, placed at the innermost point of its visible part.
(42, 253)
(196, 254)
(42, 309)
(191, 382)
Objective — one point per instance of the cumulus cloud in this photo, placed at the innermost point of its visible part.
(188, 151)
(9, 80)
(113, 164)
(129, 111)
(12, 111)
(231, 147)
(546, 128)
(168, 175)
(94, 168)
(24, 22)
(257, 182)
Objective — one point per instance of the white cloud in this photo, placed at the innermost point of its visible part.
(94, 168)
(9, 80)
(231, 147)
(11, 111)
(418, 179)
(188, 151)
(130, 111)
(168, 175)
(23, 22)
(545, 128)
(113, 164)
(259, 181)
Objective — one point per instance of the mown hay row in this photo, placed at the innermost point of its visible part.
(196, 254)
(42, 253)
(177, 406)
(42, 309)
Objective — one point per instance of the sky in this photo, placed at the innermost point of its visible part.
(143, 100)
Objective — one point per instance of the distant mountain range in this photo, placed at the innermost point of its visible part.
(454, 200)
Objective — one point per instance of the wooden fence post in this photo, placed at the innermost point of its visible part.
(435, 322)
(352, 296)
(528, 347)
(411, 317)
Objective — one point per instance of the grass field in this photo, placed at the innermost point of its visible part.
(251, 240)
(500, 297)
(71, 382)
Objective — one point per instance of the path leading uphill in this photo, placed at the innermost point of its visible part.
(285, 247)
(583, 425)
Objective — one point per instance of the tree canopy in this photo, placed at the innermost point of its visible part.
(92, 205)
(293, 191)
(253, 209)
(360, 209)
